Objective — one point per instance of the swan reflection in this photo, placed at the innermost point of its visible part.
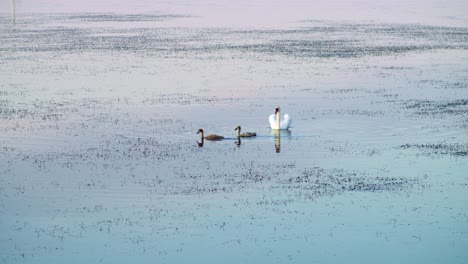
(200, 144)
(278, 134)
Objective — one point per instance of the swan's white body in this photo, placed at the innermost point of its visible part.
(277, 123)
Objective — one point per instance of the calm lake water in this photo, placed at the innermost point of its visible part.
(100, 161)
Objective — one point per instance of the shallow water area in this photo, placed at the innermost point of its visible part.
(100, 160)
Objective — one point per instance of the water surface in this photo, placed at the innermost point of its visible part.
(99, 160)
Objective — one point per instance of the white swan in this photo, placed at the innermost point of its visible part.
(277, 123)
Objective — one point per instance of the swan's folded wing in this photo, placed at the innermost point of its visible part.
(286, 122)
(272, 120)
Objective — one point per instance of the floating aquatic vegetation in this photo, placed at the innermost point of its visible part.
(431, 107)
(430, 149)
(318, 182)
(386, 39)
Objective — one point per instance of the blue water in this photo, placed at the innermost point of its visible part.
(99, 160)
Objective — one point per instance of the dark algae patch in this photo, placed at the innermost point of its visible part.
(431, 107)
(318, 182)
(454, 149)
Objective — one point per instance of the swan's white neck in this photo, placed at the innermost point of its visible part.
(277, 119)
